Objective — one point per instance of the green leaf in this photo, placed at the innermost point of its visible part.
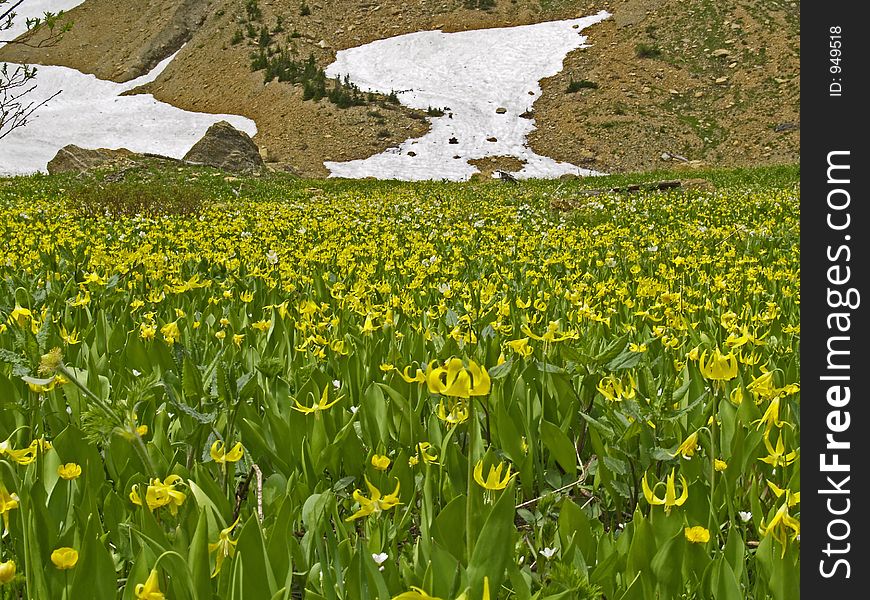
(495, 545)
(258, 581)
(449, 527)
(198, 559)
(667, 565)
(560, 446)
(625, 360)
(95, 571)
(726, 584)
(501, 371)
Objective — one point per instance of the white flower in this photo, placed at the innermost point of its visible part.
(744, 515)
(272, 257)
(548, 553)
(353, 409)
(336, 384)
(136, 373)
(380, 558)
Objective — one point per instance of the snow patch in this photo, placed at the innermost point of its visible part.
(470, 74)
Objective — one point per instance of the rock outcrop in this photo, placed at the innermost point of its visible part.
(225, 147)
(73, 159)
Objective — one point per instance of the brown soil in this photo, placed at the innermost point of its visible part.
(724, 90)
(641, 107)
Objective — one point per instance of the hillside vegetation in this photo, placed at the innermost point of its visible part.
(696, 79)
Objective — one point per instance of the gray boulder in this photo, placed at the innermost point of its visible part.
(225, 147)
(73, 159)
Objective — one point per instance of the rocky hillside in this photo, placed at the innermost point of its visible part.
(663, 80)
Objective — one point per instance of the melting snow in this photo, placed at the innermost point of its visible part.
(91, 113)
(471, 74)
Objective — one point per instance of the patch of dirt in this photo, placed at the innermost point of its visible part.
(641, 108)
(710, 82)
(489, 165)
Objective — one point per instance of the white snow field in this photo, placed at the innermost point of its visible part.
(29, 9)
(471, 73)
(91, 113)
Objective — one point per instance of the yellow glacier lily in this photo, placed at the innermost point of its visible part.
(453, 379)
(221, 456)
(322, 404)
(720, 367)
(376, 504)
(670, 500)
(150, 590)
(224, 547)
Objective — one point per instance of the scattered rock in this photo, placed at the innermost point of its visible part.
(721, 80)
(500, 110)
(73, 159)
(721, 52)
(529, 114)
(453, 140)
(491, 139)
(225, 147)
(665, 156)
(780, 127)
(412, 153)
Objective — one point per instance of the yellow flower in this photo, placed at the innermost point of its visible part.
(638, 348)
(689, 446)
(792, 498)
(615, 389)
(65, 558)
(24, 456)
(160, 493)
(453, 379)
(418, 377)
(720, 465)
(20, 316)
(368, 326)
(380, 462)
(237, 339)
(220, 456)
(457, 414)
(7, 571)
(7, 502)
(150, 590)
(415, 594)
(220, 334)
(720, 367)
(777, 457)
(426, 453)
(322, 404)
(69, 471)
(494, 481)
(147, 331)
(71, 338)
(224, 547)
(770, 418)
(171, 333)
(376, 504)
(246, 297)
(670, 500)
(262, 326)
(521, 347)
(697, 534)
(779, 526)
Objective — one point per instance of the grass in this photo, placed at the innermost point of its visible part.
(443, 378)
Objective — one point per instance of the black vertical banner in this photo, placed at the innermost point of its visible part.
(834, 271)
